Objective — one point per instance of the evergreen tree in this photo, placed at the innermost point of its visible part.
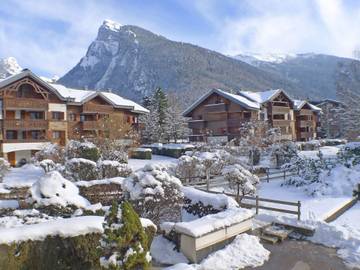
(161, 105)
(175, 126)
(124, 244)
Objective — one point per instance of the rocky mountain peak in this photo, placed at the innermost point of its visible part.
(9, 66)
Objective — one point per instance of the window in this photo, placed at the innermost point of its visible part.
(72, 116)
(57, 115)
(35, 134)
(56, 134)
(279, 116)
(36, 115)
(247, 115)
(11, 135)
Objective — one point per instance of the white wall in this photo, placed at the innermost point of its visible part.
(13, 147)
(57, 107)
(24, 154)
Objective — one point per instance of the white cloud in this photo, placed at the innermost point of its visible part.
(322, 26)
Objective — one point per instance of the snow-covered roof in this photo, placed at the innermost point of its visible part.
(78, 96)
(264, 96)
(242, 101)
(298, 104)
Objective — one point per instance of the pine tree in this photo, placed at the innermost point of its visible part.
(124, 244)
(175, 126)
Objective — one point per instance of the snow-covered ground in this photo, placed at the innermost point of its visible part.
(327, 151)
(244, 251)
(311, 207)
(136, 164)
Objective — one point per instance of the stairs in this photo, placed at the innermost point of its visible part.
(274, 234)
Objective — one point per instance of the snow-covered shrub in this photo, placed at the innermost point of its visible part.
(54, 189)
(53, 152)
(282, 153)
(85, 150)
(240, 179)
(112, 168)
(124, 245)
(112, 150)
(4, 168)
(188, 168)
(200, 203)
(47, 165)
(310, 145)
(154, 193)
(81, 169)
(349, 154)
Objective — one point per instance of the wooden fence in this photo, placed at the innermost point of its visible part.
(258, 200)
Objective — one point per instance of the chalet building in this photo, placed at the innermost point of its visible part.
(307, 119)
(34, 112)
(219, 114)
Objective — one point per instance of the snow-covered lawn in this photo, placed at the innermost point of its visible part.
(327, 151)
(156, 159)
(311, 207)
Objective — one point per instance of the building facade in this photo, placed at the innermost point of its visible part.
(219, 114)
(34, 112)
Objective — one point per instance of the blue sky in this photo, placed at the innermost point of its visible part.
(50, 37)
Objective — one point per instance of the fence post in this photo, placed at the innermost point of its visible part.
(358, 193)
(284, 174)
(267, 175)
(299, 209)
(257, 204)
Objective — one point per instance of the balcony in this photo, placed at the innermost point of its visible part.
(215, 108)
(280, 110)
(306, 112)
(31, 140)
(25, 103)
(198, 124)
(306, 123)
(93, 125)
(13, 124)
(96, 108)
(281, 123)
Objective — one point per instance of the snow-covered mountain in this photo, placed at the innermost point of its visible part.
(315, 75)
(133, 62)
(9, 66)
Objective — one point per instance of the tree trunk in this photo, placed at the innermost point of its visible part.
(207, 180)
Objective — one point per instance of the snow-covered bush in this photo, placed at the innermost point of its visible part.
(349, 154)
(240, 179)
(4, 168)
(53, 189)
(85, 150)
(112, 168)
(47, 165)
(124, 245)
(200, 203)
(112, 150)
(282, 153)
(53, 152)
(154, 193)
(81, 169)
(188, 168)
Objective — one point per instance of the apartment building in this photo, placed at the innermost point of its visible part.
(34, 112)
(220, 114)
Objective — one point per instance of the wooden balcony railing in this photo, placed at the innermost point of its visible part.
(306, 112)
(25, 124)
(306, 123)
(96, 108)
(25, 103)
(280, 109)
(215, 108)
(281, 123)
(196, 124)
(25, 140)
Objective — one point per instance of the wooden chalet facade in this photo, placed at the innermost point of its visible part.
(34, 112)
(219, 114)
